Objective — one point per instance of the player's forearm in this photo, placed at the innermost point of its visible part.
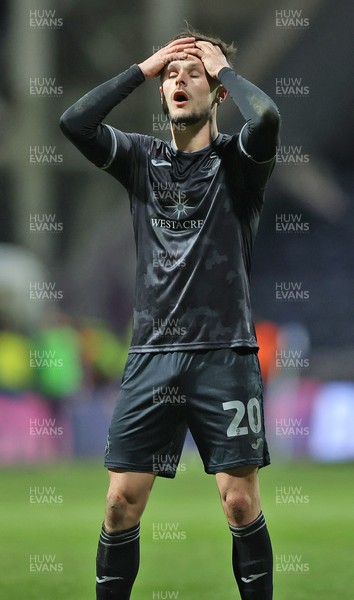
(261, 113)
(81, 123)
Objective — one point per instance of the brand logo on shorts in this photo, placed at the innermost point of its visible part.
(256, 445)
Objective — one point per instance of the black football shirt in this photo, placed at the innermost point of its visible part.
(195, 216)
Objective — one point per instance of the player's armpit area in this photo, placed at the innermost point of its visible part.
(82, 122)
(260, 136)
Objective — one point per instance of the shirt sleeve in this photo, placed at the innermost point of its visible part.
(259, 137)
(82, 122)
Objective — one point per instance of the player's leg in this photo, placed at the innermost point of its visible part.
(145, 439)
(252, 557)
(117, 560)
(226, 420)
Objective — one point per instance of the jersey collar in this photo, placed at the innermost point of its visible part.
(216, 141)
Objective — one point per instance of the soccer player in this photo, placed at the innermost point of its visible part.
(195, 204)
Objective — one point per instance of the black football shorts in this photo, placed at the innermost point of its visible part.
(217, 394)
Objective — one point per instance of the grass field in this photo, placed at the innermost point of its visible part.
(312, 529)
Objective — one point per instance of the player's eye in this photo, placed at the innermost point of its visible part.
(172, 74)
(194, 74)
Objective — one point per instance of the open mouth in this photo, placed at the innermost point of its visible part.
(180, 97)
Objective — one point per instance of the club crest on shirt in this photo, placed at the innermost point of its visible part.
(176, 206)
(180, 207)
(172, 199)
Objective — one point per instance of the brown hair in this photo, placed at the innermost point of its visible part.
(228, 50)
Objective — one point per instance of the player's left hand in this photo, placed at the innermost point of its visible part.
(211, 56)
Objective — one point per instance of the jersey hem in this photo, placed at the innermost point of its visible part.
(192, 346)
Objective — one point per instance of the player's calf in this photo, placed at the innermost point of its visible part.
(117, 563)
(252, 557)
(252, 560)
(118, 552)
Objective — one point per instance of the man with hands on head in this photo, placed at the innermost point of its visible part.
(195, 203)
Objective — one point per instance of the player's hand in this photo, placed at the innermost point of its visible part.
(211, 56)
(175, 50)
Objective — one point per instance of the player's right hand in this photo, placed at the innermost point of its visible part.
(152, 66)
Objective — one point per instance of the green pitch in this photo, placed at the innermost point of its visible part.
(51, 516)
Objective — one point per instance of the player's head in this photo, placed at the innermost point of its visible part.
(188, 93)
(228, 50)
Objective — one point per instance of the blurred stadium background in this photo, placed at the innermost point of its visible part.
(66, 245)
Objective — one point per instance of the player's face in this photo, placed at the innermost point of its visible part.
(187, 91)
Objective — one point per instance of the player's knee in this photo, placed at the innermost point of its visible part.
(238, 505)
(116, 501)
(122, 510)
(116, 510)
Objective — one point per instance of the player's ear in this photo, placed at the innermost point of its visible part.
(221, 94)
(161, 94)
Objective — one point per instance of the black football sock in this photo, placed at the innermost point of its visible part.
(117, 563)
(252, 560)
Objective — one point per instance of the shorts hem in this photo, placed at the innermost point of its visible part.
(234, 465)
(140, 469)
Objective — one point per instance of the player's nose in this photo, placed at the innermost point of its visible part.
(181, 78)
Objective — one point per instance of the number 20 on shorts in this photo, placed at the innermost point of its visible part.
(253, 413)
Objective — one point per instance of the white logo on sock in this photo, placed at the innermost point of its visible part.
(106, 578)
(252, 577)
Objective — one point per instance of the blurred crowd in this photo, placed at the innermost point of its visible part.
(60, 360)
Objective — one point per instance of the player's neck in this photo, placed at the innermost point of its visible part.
(192, 138)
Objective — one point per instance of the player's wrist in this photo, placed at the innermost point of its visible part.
(143, 69)
(224, 69)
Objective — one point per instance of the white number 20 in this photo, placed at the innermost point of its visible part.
(253, 413)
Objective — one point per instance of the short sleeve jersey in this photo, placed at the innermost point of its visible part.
(195, 216)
